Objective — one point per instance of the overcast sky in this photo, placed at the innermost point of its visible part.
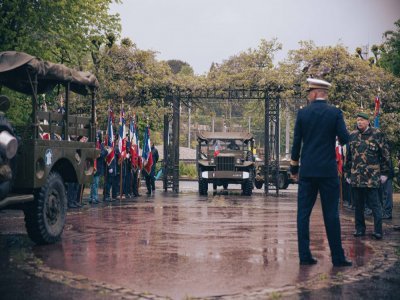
(200, 32)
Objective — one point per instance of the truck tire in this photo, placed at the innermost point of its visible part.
(45, 216)
(247, 187)
(259, 184)
(283, 181)
(203, 187)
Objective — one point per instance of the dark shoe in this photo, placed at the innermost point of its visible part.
(310, 261)
(95, 202)
(343, 263)
(359, 233)
(72, 205)
(387, 217)
(368, 212)
(77, 205)
(148, 193)
(377, 236)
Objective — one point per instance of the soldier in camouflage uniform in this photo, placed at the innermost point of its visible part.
(367, 167)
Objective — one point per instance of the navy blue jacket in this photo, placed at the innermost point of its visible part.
(316, 128)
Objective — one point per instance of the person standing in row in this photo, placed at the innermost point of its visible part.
(316, 128)
(150, 177)
(367, 167)
(99, 169)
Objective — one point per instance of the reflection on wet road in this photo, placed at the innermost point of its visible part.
(187, 245)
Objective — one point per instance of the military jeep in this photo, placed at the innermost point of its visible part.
(55, 147)
(282, 180)
(224, 158)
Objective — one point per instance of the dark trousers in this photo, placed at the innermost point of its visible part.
(150, 182)
(127, 179)
(387, 197)
(347, 193)
(112, 183)
(370, 196)
(328, 189)
(135, 183)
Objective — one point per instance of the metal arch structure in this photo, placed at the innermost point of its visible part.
(173, 99)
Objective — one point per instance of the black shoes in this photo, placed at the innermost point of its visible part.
(359, 233)
(74, 205)
(343, 263)
(313, 261)
(387, 217)
(309, 261)
(377, 236)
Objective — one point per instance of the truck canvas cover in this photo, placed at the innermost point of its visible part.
(16, 65)
(206, 135)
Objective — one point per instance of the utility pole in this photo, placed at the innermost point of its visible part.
(249, 124)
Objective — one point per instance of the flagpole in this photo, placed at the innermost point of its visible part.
(341, 190)
(120, 155)
(106, 145)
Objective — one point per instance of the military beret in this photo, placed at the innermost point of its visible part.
(363, 115)
(317, 84)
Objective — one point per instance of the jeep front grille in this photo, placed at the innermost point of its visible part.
(225, 163)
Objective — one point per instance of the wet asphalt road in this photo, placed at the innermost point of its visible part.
(183, 246)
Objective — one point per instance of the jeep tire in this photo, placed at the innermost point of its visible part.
(203, 187)
(258, 183)
(45, 216)
(283, 181)
(247, 186)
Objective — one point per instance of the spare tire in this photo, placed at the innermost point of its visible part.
(7, 166)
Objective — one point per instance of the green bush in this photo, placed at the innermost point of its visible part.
(187, 170)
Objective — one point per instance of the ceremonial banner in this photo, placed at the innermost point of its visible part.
(110, 138)
(146, 152)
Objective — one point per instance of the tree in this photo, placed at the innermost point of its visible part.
(390, 52)
(58, 31)
(178, 66)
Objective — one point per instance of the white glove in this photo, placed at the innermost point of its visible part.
(348, 180)
(110, 171)
(383, 178)
(127, 156)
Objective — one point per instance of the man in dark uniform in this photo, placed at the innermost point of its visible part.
(113, 169)
(150, 178)
(367, 167)
(316, 128)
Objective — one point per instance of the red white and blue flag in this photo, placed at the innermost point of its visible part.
(217, 149)
(134, 147)
(146, 152)
(377, 111)
(110, 137)
(339, 159)
(122, 135)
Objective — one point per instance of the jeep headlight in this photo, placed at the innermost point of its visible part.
(212, 161)
(238, 161)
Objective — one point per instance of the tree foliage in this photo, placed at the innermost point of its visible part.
(390, 50)
(59, 31)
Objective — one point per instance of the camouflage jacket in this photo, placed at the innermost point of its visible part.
(367, 158)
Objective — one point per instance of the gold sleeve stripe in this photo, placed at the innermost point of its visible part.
(294, 163)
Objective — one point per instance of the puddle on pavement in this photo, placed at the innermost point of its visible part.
(185, 246)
